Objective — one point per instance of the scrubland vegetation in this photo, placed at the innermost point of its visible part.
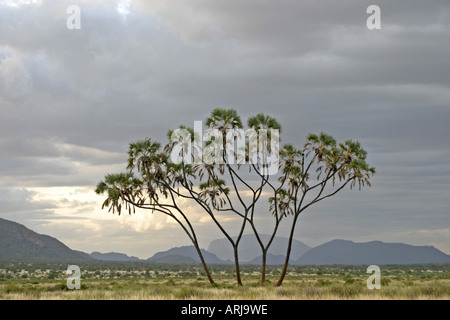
(151, 281)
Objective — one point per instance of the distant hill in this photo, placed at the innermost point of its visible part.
(374, 252)
(189, 252)
(174, 259)
(271, 259)
(249, 248)
(112, 256)
(20, 243)
(83, 254)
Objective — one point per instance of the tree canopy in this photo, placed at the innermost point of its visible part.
(306, 175)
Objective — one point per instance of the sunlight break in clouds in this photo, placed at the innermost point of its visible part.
(77, 205)
(69, 202)
(20, 3)
(123, 7)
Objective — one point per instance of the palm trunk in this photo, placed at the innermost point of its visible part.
(236, 263)
(263, 267)
(288, 253)
(205, 267)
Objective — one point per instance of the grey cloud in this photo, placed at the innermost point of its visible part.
(33, 167)
(28, 147)
(80, 96)
(16, 200)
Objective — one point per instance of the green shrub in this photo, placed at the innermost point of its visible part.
(349, 281)
(12, 288)
(51, 276)
(408, 283)
(385, 281)
(323, 282)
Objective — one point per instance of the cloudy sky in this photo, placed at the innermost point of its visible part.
(72, 100)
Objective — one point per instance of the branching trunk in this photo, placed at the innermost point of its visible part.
(288, 253)
(263, 268)
(205, 267)
(192, 236)
(236, 264)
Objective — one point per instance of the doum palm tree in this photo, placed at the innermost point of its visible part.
(265, 122)
(154, 190)
(306, 175)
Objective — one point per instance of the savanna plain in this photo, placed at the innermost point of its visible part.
(143, 281)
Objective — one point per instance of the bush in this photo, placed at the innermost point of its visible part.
(51, 276)
(63, 287)
(408, 283)
(323, 283)
(10, 288)
(350, 281)
(385, 281)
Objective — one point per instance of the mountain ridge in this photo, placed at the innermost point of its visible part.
(17, 242)
(190, 252)
(249, 248)
(340, 251)
(112, 256)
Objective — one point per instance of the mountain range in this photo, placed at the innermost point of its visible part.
(20, 243)
(112, 256)
(374, 252)
(250, 249)
(188, 252)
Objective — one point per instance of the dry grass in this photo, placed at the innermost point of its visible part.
(125, 281)
(313, 288)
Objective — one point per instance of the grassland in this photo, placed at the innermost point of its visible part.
(140, 281)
